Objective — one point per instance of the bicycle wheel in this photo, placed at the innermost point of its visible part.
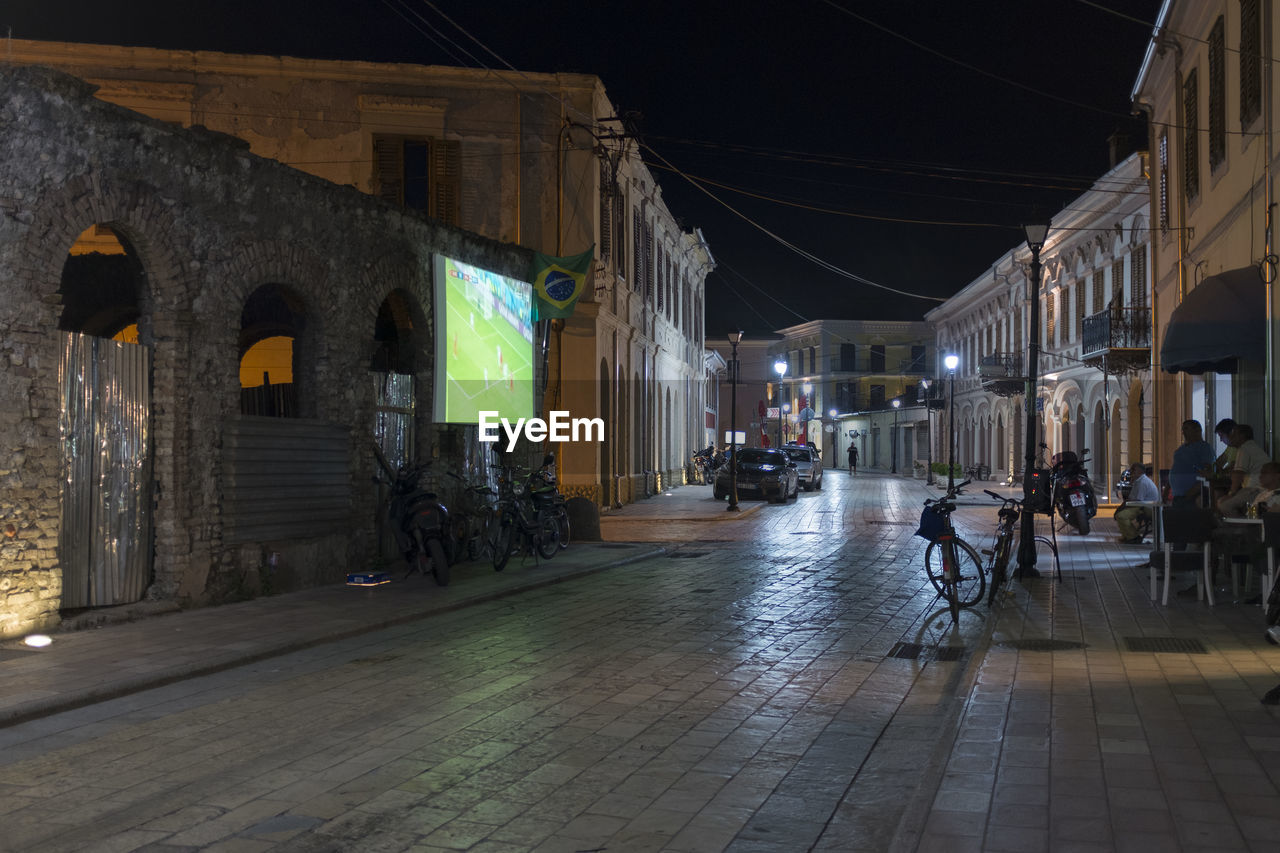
(971, 579)
(562, 521)
(547, 535)
(487, 522)
(1000, 565)
(503, 540)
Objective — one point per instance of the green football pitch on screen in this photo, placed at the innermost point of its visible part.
(484, 342)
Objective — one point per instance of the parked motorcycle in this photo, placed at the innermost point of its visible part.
(1073, 495)
(418, 520)
(707, 462)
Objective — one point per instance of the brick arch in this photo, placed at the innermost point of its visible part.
(303, 275)
(129, 208)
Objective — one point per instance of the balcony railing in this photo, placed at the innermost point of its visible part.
(1001, 373)
(1001, 365)
(1120, 337)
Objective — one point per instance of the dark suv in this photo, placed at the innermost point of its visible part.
(767, 473)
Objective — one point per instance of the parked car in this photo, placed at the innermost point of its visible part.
(764, 473)
(808, 465)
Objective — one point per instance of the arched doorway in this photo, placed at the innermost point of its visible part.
(105, 537)
(271, 324)
(394, 366)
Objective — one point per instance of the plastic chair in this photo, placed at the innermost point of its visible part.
(1186, 526)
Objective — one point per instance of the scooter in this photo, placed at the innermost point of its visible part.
(1073, 495)
(419, 521)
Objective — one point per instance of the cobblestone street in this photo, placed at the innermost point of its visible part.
(737, 691)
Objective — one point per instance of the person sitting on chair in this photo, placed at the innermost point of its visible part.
(1128, 518)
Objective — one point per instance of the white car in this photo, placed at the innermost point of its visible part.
(808, 465)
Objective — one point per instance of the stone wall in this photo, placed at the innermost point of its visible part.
(209, 223)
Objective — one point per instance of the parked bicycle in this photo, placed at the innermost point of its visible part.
(1002, 548)
(474, 520)
(523, 524)
(546, 494)
(951, 563)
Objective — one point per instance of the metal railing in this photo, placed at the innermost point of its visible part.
(1001, 365)
(1115, 328)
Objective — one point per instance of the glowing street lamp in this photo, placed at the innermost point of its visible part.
(952, 361)
(893, 440)
(780, 367)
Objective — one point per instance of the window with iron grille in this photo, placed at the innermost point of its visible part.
(1117, 283)
(1098, 304)
(1217, 96)
(1164, 181)
(1191, 135)
(423, 174)
(1250, 62)
(1138, 277)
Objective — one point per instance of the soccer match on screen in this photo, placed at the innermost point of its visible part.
(484, 338)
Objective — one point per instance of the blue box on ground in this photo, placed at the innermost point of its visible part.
(368, 578)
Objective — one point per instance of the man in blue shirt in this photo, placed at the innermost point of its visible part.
(1141, 490)
(1189, 459)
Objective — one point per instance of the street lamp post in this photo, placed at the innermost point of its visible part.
(1035, 235)
(893, 439)
(780, 367)
(952, 362)
(928, 433)
(835, 442)
(735, 338)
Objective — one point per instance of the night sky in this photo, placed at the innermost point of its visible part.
(901, 141)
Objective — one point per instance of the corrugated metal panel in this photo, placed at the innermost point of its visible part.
(104, 544)
(286, 478)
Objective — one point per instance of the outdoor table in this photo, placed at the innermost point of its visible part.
(1247, 529)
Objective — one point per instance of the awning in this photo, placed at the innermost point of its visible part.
(1219, 323)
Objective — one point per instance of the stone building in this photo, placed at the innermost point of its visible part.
(1095, 339)
(139, 466)
(539, 160)
(1206, 87)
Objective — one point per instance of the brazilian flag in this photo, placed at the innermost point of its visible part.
(558, 282)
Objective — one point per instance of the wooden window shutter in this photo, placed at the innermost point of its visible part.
(388, 169)
(637, 246)
(606, 210)
(1117, 282)
(446, 174)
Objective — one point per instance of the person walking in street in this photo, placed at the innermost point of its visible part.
(1190, 459)
(1141, 489)
(853, 460)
